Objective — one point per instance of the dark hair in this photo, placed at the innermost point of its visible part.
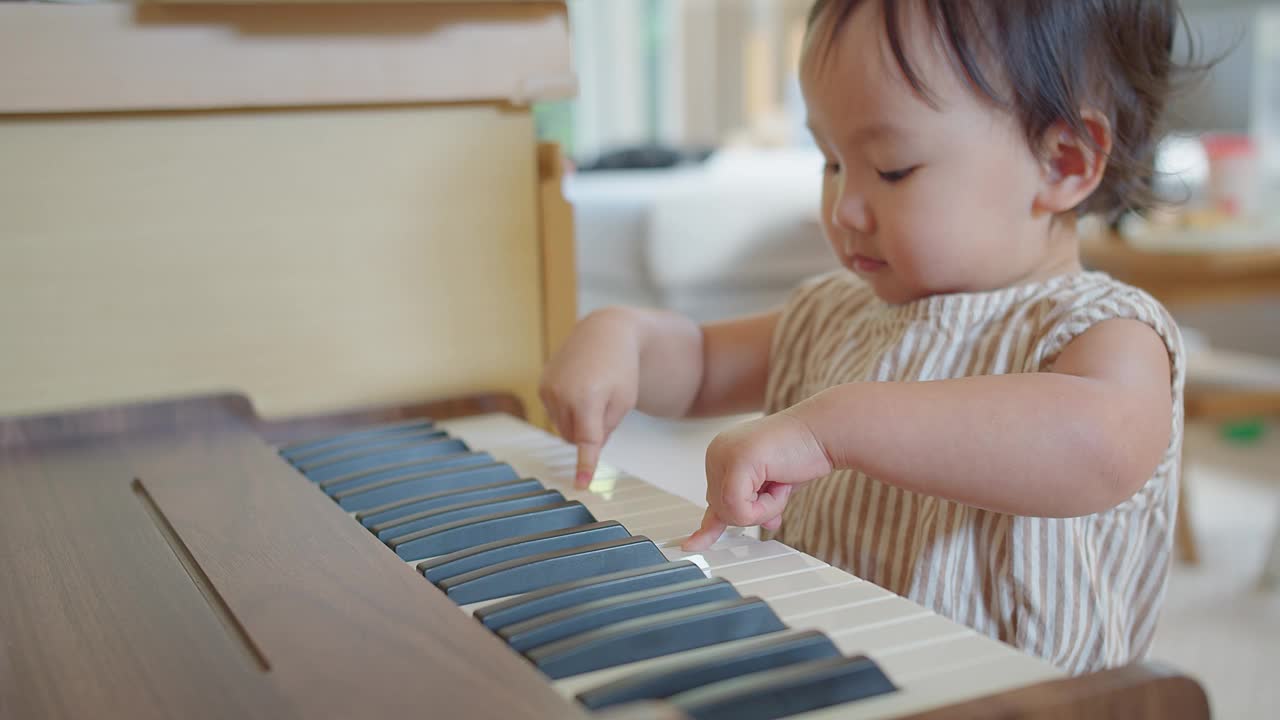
(1054, 58)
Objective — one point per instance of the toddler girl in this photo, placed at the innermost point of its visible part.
(959, 413)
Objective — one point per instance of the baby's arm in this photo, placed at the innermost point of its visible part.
(659, 362)
(1074, 441)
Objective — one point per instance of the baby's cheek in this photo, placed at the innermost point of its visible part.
(925, 257)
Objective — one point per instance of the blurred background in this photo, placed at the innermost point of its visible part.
(696, 189)
(700, 97)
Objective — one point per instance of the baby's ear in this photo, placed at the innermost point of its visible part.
(1071, 167)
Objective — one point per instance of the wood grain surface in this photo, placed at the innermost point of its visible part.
(1141, 690)
(107, 613)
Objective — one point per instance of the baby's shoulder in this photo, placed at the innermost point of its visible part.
(1094, 297)
(1098, 290)
(1091, 299)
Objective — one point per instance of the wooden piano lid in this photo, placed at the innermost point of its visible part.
(161, 561)
(195, 56)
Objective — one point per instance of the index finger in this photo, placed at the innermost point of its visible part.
(588, 458)
(706, 535)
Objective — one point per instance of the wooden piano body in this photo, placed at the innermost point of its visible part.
(326, 208)
(323, 206)
(161, 560)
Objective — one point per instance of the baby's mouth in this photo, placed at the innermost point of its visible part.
(864, 264)
(859, 262)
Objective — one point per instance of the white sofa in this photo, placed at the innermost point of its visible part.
(728, 236)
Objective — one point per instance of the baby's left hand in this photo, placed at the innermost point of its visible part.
(750, 471)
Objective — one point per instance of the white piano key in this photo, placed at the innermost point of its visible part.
(723, 557)
(530, 444)
(493, 430)
(839, 596)
(544, 453)
(797, 581)
(625, 503)
(946, 653)
(609, 489)
(768, 568)
(669, 533)
(734, 537)
(865, 614)
(672, 534)
(647, 505)
(641, 523)
(559, 469)
(631, 505)
(888, 637)
(647, 522)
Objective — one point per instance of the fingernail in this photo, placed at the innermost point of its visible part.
(583, 478)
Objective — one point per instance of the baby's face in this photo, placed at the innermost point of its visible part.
(917, 200)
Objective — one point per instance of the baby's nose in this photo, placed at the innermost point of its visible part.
(853, 214)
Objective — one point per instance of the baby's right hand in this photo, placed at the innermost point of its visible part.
(592, 383)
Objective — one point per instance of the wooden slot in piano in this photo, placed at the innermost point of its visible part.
(166, 559)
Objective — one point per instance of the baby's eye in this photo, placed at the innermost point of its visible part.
(895, 176)
(831, 168)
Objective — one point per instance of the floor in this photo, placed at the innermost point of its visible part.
(1218, 625)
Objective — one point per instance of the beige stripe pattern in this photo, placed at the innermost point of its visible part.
(1083, 593)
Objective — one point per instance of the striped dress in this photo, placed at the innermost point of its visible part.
(1083, 593)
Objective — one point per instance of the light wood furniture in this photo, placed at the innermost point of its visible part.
(324, 206)
(1184, 278)
(1179, 278)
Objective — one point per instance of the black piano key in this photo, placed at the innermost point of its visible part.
(465, 511)
(369, 449)
(369, 445)
(393, 471)
(404, 453)
(404, 487)
(539, 571)
(557, 597)
(303, 447)
(430, 501)
(481, 556)
(765, 653)
(463, 534)
(654, 636)
(788, 691)
(356, 443)
(599, 613)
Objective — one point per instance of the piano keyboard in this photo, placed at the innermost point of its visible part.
(592, 587)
